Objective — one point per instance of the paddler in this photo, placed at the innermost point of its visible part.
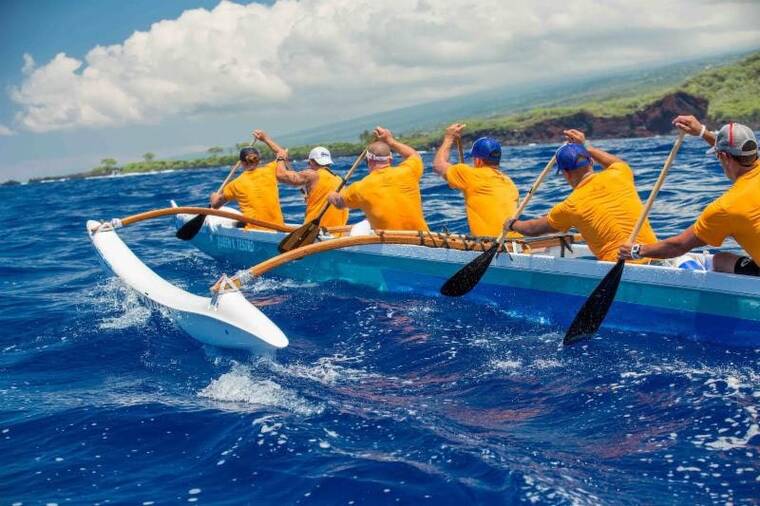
(317, 180)
(388, 195)
(490, 196)
(255, 190)
(603, 206)
(736, 213)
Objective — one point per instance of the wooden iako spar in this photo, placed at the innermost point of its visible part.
(157, 213)
(427, 239)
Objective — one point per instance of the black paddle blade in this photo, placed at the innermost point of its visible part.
(468, 276)
(191, 228)
(592, 313)
(302, 236)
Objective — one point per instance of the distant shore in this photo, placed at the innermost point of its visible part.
(715, 95)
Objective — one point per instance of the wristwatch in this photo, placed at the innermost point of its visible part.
(636, 251)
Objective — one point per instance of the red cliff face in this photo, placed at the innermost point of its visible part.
(655, 119)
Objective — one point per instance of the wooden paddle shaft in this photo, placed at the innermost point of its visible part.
(352, 169)
(656, 188)
(529, 195)
(534, 186)
(227, 179)
(460, 151)
(233, 169)
(343, 183)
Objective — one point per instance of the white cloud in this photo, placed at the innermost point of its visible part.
(352, 56)
(4, 130)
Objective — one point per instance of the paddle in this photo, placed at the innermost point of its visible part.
(468, 276)
(460, 151)
(595, 309)
(308, 232)
(191, 228)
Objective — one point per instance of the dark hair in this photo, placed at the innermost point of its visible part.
(747, 160)
(249, 151)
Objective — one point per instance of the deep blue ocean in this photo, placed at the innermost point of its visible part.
(379, 399)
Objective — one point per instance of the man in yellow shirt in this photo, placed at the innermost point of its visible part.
(603, 206)
(736, 213)
(490, 196)
(255, 190)
(389, 196)
(317, 181)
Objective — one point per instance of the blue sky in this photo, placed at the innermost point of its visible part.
(87, 79)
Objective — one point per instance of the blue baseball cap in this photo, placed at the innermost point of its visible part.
(572, 156)
(487, 149)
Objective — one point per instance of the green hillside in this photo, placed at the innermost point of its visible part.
(733, 91)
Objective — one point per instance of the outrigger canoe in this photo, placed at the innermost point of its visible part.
(549, 284)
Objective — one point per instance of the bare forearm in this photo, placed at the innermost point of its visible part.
(272, 144)
(402, 149)
(291, 177)
(532, 228)
(602, 157)
(441, 162)
(672, 246)
(663, 249)
(216, 200)
(337, 200)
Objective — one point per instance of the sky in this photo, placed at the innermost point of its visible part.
(89, 79)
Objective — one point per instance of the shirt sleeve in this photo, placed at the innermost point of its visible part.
(352, 195)
(230, 190)
(414, 165)
(271, 166)
(713, 225)
(560, 217)
(621, 168)
(457, 176)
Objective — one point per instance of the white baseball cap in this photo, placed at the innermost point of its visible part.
(321, 155)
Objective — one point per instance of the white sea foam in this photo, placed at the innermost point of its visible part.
(114, 297)
(260, 285)
(326, 370)
(506, 365)
(239, 386)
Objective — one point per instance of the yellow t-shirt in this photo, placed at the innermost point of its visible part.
(735, 213)
(317, 198)
(604, 208)
(390, 197)
(257, 194)
(490, 197)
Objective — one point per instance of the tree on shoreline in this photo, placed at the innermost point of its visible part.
(108, 163)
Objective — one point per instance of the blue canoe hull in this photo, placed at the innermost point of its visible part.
(710, 307)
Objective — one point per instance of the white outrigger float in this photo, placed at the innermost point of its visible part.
(227, 320)
(550, 282)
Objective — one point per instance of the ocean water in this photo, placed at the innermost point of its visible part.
(379, 399)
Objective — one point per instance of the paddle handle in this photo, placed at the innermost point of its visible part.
(227, 179)
(529, 195)
(534, 186)
(460, 151)
(343, 183)
(657, 185)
